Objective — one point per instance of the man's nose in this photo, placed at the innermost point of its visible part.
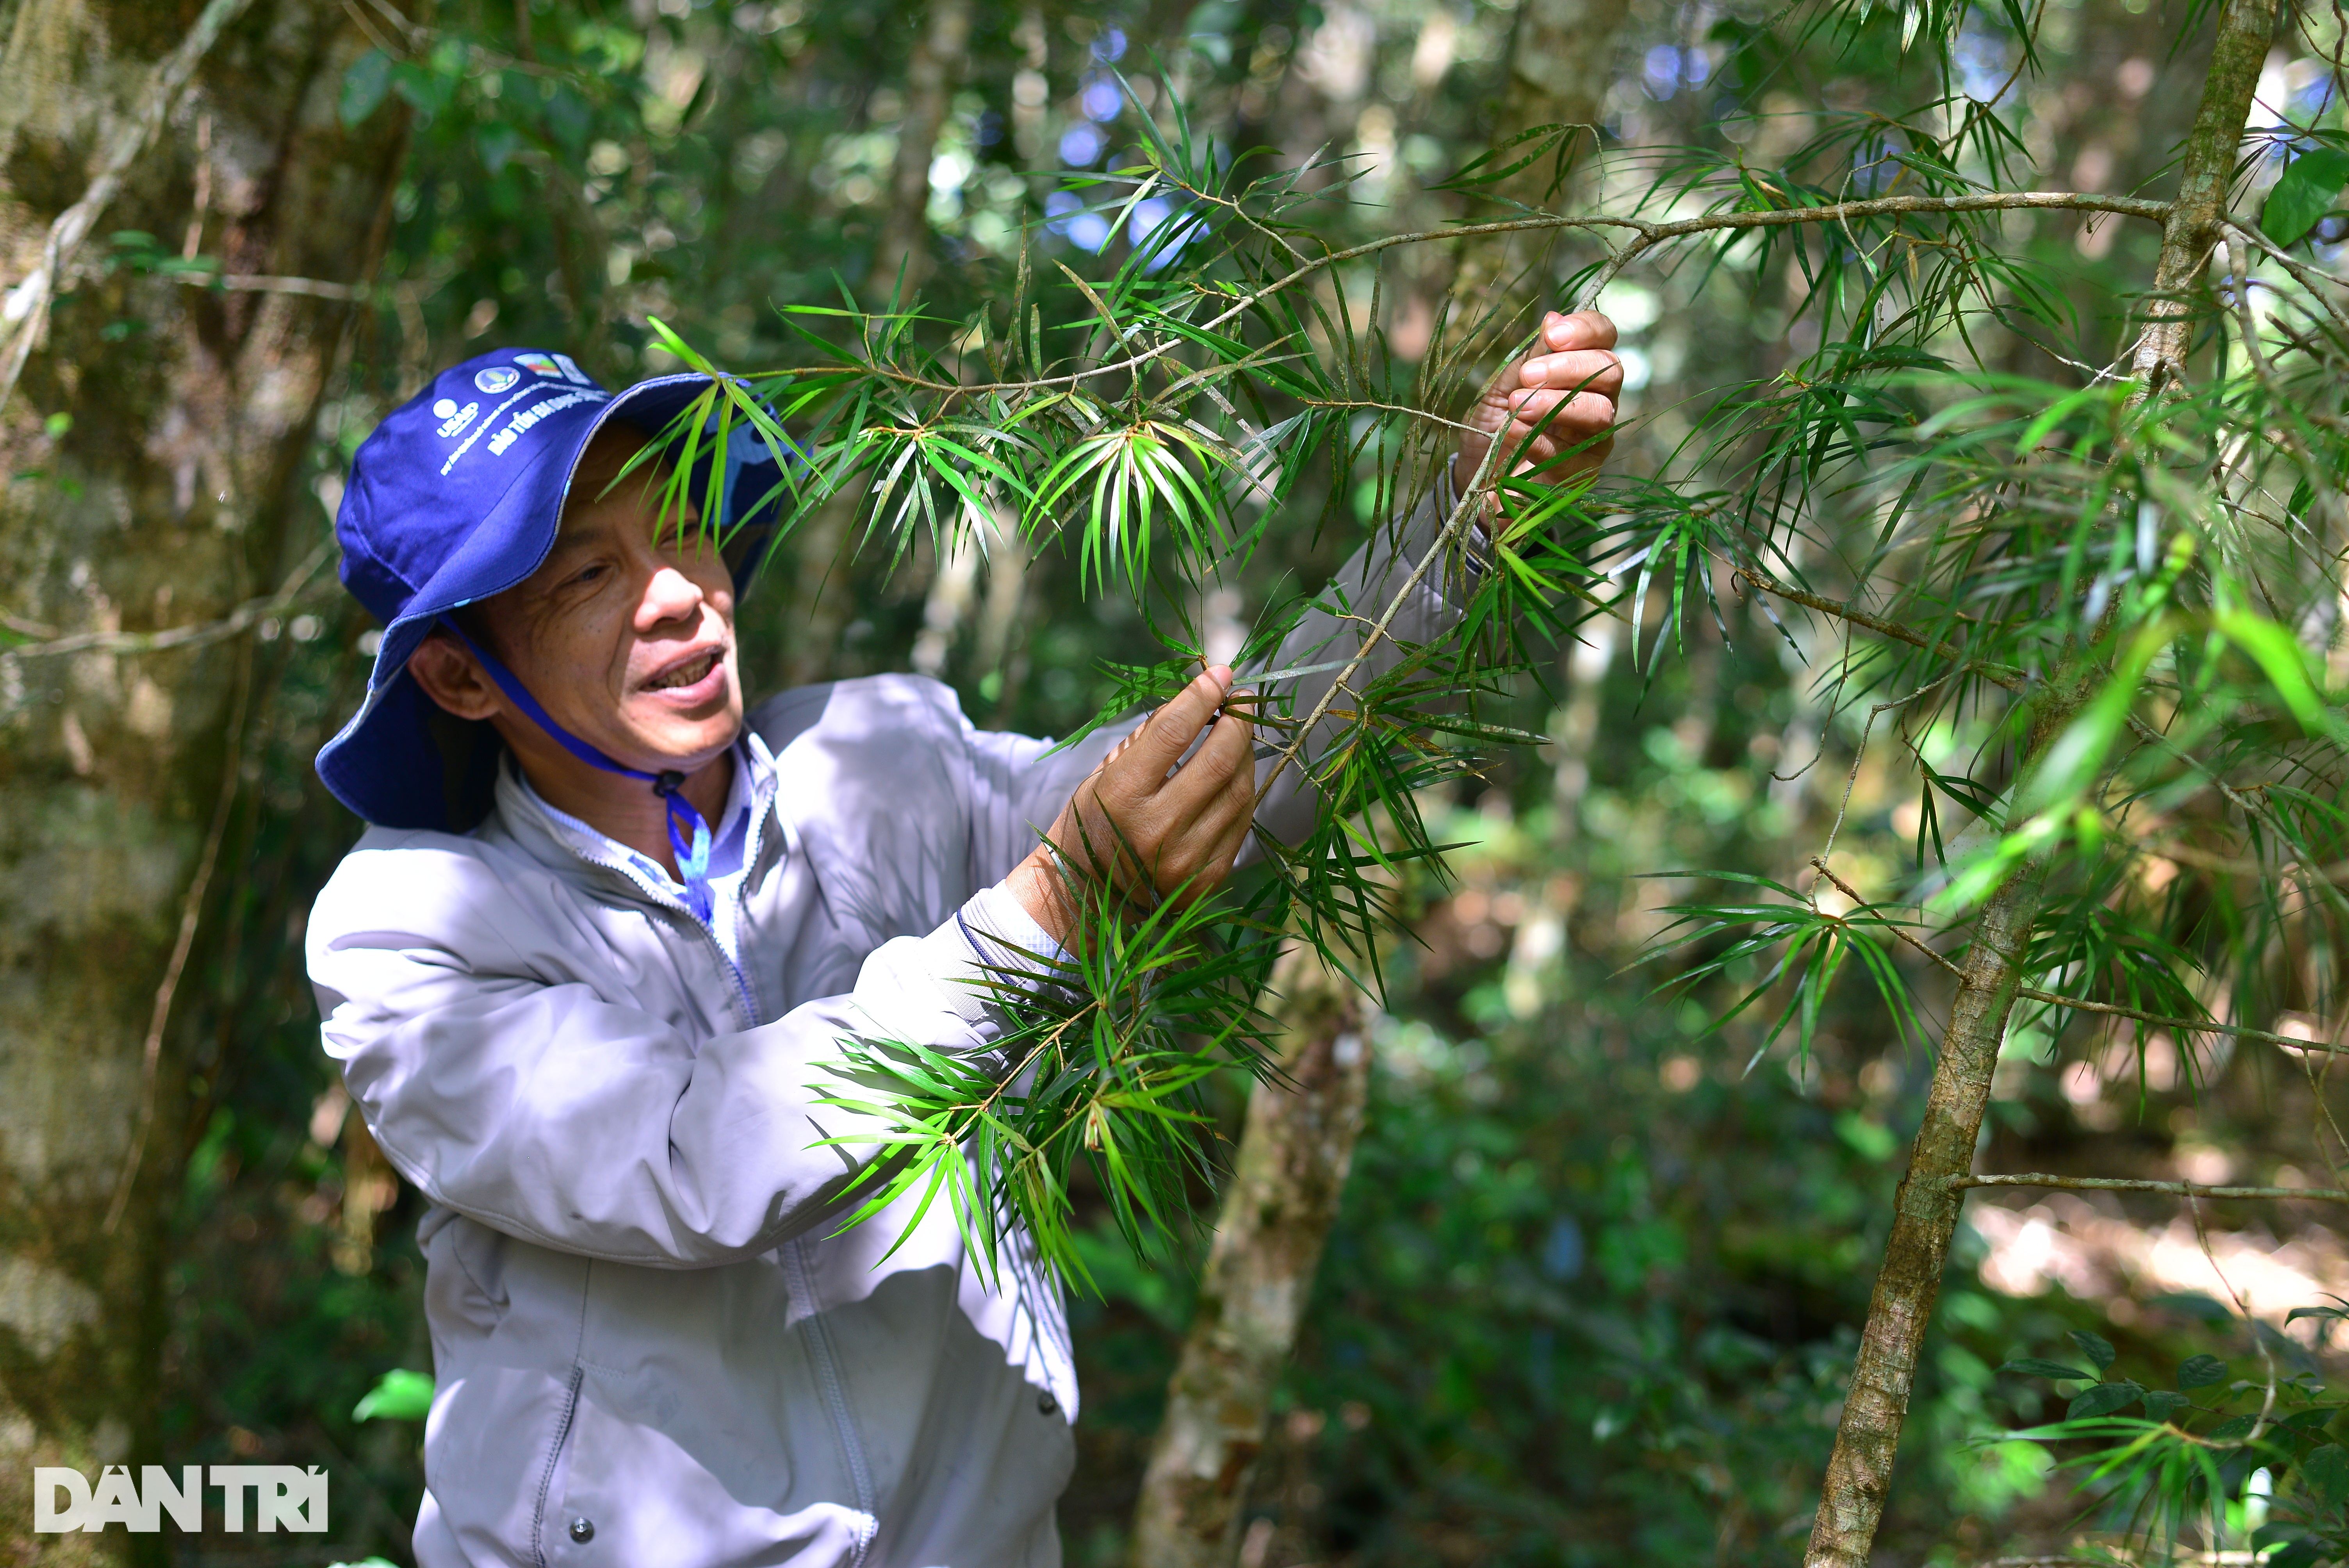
(669, 595)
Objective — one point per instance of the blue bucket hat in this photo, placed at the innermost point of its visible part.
(457, 496)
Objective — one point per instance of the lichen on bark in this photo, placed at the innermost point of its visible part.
(156, 478)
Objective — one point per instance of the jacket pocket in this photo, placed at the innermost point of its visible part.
(639, 1496)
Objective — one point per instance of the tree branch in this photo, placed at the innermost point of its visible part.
(2182, 1025)
(1903, 932)
(2127, 1184)
(2077, 1004)
(1647, 234)
(1465, 506)
(2308, 277)
(28, 308)
(261, 282)
(1997, 674)
(190, 636)
(1654, 234)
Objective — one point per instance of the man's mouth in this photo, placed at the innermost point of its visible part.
(692, 672)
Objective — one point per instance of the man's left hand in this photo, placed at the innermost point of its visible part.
(1566, 390)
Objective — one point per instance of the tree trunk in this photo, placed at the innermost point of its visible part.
(158, 472)
(1561, 59)
(1292, 1162)
(822, 593)
(1925, 1217)
(930, 77)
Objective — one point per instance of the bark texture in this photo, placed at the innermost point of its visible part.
(177, 489)
(1293, 1157)
(2245, 30)
(1925, 1217)
(1561, 59)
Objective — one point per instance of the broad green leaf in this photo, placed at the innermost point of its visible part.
(2072, 762)
(365, 87)
(2326, 1473)
(2309, 188)
(2103, 1400)
(2202, 1372)
(2285, 663)
(2095, 1347)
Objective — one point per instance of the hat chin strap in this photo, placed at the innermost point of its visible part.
(688, 830)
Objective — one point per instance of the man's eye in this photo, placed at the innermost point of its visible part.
(586, 574)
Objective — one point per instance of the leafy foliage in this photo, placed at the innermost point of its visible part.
(2246, 1464)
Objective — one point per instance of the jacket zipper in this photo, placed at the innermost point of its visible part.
(836, 1396)
(744, 1003)
(553, 1457)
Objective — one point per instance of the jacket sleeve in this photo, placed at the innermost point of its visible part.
(1021, 783)
(507, 1089)
(1332, 632)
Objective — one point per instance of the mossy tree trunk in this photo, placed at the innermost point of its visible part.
(1561, 59)
(1291, 1166)
(159, 451)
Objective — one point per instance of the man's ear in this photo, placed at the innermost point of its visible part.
(453, 679)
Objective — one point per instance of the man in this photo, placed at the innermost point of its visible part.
(607, 930)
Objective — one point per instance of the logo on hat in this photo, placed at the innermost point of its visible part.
(538, 362)
(495, 379)
(571, 369)
(453, 417)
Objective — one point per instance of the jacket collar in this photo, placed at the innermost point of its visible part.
(581, 855)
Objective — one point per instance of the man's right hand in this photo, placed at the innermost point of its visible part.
(1141, 834)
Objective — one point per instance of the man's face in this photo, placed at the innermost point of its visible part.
(625, 632)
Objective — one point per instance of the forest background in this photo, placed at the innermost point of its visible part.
(1599, 1271)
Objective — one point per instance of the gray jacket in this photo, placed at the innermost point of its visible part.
(650, 1347)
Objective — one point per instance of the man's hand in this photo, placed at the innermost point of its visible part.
(1573, 376)
(1139, 834)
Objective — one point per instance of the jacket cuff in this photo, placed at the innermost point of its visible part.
(1002, 933)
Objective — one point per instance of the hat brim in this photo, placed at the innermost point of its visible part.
(387, 764)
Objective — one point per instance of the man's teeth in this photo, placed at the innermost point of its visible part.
(686, 674)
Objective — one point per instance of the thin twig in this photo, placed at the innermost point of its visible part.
(2078, 1005)
(28, 308)
(190, 636)
(1851, 782)
(2129, 1184)
(1654, 234)
(2259, 1341)
(1468, 504)
(2308, 277)
(2183, 1025)
(1898, 930)
(192, 905)
(263, 282)
(1997, 674)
